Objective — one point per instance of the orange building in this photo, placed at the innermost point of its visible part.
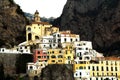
(39, 56)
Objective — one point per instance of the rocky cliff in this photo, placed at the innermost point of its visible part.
(12, 65)
(12, 24)
(57, 72)
(95, 20)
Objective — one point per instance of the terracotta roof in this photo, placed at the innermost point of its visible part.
(45, 23)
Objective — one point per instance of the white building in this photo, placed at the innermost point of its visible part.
(34, 69)
(82, 74)
(46, 42)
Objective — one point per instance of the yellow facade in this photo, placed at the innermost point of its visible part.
(55, 29)
(50, 30)
(55, 56)
(69, 54)
(105, 68)
(100, 68)
(36, 29)
(79, 67)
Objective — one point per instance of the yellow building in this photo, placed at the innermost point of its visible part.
(50, 30)
(105, 67)
(102, 68)
(55, 56)
(36, 29)
(69, 53)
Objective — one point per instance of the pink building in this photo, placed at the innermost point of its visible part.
(39, 56)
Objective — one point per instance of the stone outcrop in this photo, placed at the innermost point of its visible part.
(57, 72)
(95, 20)
(12, 64)
(12, 24)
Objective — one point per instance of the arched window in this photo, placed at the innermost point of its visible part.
(31, 67)
(36, 37)
(60, 56)
(29, 36)
(69, 57)
(29, 29)
(80, 67)
(53, 56)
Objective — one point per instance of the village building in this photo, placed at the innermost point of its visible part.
(39, 56)
(101, 68)
(55, 56)
(36, 29)
(69, 53)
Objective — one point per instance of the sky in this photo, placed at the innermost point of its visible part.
(46, 8)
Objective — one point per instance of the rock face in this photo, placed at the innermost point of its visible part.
(12, 24)
(95, 20)
(57, 72)
(12, 64)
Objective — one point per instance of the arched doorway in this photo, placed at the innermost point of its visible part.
(29, 36)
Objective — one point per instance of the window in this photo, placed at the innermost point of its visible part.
(59, 40)
(38, 52)
(59, 60)
(116, 74)
(93, 68)
(65, 39)
(71, 40)
(69, 57)
(86, 48)
(53, 56)
(60, 56)
(83, 43)
(80, 67)
(39, 56)
(52, 51)
(60, 51)
(111, 68)
(53, 44)
(36, 37)
(20, 47)
(25, 47)
(76, 40)
(88, 67)
(31, 67)
(102, 68)
(29, 29)
(17, 49)
(97, 68)
(80, 73)
(115, 63)
(115, 68)
(107, 68)
(106, 62)
(58, 35)
(76, 74)
(44, 45)
(80, 58)
(44, 56)
(48, 57)
(97, 74)
(53, 60)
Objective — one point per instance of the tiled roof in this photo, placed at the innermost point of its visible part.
(45, 23)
